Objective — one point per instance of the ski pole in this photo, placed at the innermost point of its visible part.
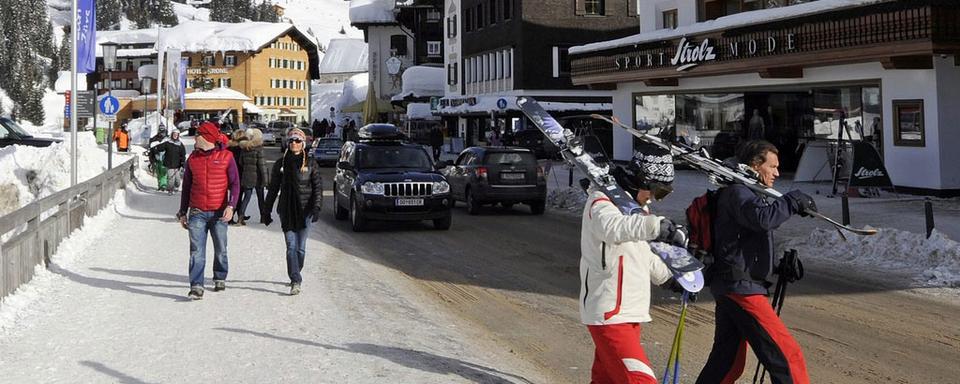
(683, 327)
(674, 359)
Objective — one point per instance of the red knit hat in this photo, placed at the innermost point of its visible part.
(210, 132)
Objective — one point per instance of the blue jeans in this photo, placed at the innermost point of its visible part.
(199, 223)
(296, 249)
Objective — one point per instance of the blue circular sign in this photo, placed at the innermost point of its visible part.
(502, 103)
(109, 105)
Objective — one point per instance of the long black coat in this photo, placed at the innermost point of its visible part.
(309, 188)
(251, 164)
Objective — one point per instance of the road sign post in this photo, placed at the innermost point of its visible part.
(109, 106)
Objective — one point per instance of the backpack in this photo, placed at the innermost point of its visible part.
(700, 217)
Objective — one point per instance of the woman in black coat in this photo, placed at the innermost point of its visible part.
(296, 178)
(250, 164)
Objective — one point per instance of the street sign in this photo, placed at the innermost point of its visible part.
(66, 106)
(110, 118)
(86, 103)
(502, 103)
(109, 105)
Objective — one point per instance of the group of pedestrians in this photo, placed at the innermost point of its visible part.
(617, 267)
(213, 180)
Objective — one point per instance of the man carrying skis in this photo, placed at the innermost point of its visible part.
(742, 271)
(617, 267)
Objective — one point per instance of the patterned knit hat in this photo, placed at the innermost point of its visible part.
(296, 132)
(652, 164)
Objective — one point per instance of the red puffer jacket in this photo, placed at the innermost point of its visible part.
(210, 180)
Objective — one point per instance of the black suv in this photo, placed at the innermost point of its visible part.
(490, 175)
(382, 177)
(11, 133)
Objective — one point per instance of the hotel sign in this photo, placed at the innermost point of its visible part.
(210, 71)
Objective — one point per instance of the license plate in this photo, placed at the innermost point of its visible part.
(512, 176)
(409, 202)
(332, 152)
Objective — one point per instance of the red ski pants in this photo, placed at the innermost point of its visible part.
(743, 319)
(619, 357)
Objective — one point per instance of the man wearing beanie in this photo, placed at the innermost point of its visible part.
(211, 188)
(617, 268)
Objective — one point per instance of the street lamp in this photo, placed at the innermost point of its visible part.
(109, 64)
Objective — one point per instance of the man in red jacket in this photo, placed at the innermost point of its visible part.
(211, 188)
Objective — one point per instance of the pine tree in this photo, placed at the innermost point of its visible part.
(63, 55)
(164, 13)
(108, 15)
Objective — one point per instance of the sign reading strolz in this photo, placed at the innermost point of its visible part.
(690, 54)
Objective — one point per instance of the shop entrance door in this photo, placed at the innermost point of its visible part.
(780, 118)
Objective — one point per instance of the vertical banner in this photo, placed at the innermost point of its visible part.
(184, 63)
(86, 36)
(174, 85)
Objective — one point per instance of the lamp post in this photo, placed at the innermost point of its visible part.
(109, 64)
(145, 87)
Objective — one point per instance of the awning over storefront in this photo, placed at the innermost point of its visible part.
(778, 42)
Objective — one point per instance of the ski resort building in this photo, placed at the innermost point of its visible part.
(802, 76)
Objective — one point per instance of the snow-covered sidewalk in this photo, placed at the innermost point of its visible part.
(113, 309)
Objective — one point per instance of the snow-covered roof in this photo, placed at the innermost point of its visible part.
(726, 22)
(149, 70)
(420, 111)
(135, 36)
(420, 81)
(354, 90)
(324, 96)
(485, 104)
(372, 12)
(344, 56)
(186, 12)
(217, 94)
(138, 52)
(251, 108)
(204, 36)
(63, 82)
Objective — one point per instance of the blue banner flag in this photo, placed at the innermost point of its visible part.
(184, 63)
(86, 36)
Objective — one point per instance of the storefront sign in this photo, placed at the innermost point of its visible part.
(868, 169)
(210, 71)
(689, 56)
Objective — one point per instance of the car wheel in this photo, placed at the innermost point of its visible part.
(339, 212)
(538, 206)
(357, 221)
(473, 207)
(443, 224)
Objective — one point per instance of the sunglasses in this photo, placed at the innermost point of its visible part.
(295, 140)
(659, 190)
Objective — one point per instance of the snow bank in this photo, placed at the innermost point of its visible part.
(420, 111)
(726, 22)
(372, 11)
(420, 81)
(325, 96)
(567, 198)
(354, 90)
(21, 303)
(935, 261)
(62, 84)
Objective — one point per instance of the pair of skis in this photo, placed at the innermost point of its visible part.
(686, 269)
(721, 173)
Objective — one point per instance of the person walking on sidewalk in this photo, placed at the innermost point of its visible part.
(251, 172)
(296, 178)
(743, 269)
(122, 138)
(436, 142)
(174, 156)
(211, 188)
(617, 267)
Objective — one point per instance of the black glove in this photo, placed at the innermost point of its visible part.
(314, 216)
(672, 234)
(266, 219)
(802, 202)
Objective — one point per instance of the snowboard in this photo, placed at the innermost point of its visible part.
(721, 173)
(686, 269)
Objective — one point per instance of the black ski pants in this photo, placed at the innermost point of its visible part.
(742, 319)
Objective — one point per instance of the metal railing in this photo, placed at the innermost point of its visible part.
(44, 223)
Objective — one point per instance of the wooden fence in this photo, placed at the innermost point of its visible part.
(51, 219)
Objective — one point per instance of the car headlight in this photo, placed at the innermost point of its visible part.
(440, 187)
(372, 188)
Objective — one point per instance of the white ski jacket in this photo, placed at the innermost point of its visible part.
(616, 263)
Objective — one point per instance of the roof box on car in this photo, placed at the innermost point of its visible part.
(380, 132)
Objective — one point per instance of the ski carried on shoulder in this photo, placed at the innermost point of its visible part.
(721, 173)
(686, 269)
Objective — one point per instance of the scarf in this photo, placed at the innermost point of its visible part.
(293, 219)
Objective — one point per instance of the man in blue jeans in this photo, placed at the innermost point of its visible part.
(206, 205)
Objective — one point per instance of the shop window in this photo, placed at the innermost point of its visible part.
(594, 7)
(230, 60)
(507, 9)
(908, 124)
(716, 120)
(452, 26)
(398, 45)
(670, 19)
(837, 109)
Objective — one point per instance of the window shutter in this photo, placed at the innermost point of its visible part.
(632, 7)
(581, 8)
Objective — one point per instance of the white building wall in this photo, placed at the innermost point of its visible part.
(453, 47)
(651, 13)
(901, 162)
(378, 44)
(948, 107)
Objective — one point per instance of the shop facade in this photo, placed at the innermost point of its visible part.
(883, 73)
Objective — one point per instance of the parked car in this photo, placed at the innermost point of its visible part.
(535, 141)
(326, 150)
(278, 129)
(504, 175)
(12, 133)
(382, 177)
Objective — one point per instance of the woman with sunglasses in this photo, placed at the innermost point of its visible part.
(617, 267)
(296, 179)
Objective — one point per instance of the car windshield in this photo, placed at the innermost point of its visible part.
(329, 144)
(11, 126)
(511, 158)
(392, 157)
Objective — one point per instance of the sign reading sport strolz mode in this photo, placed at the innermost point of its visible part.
(688, 53)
